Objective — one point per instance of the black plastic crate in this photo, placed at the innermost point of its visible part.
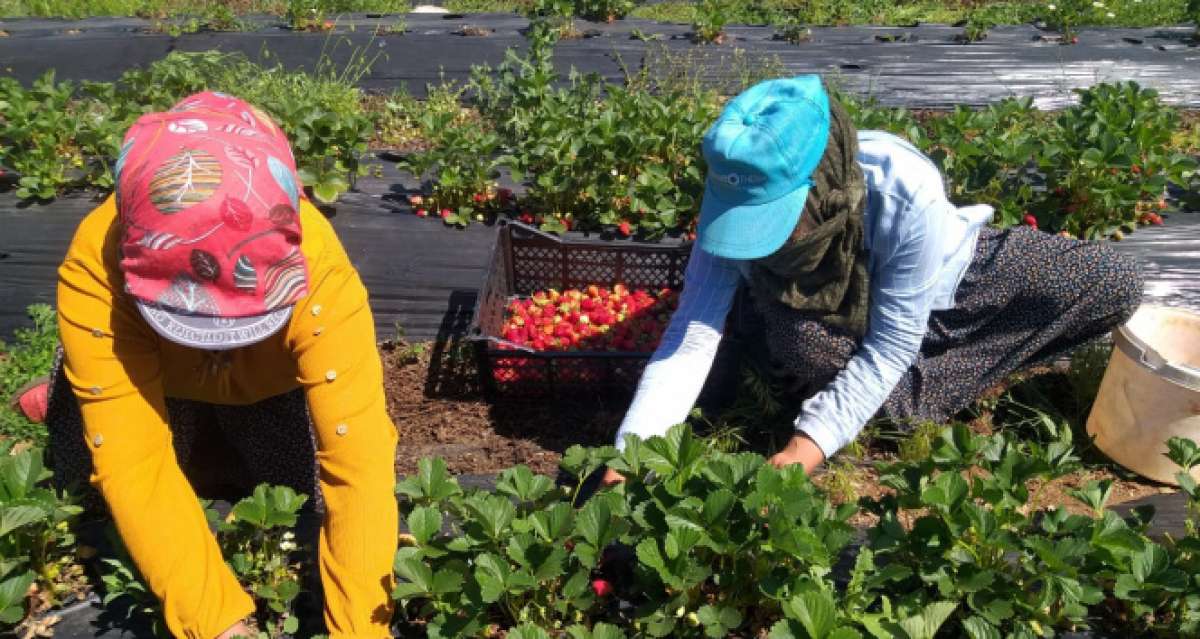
(524, 261)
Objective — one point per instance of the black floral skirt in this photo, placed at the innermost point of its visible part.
(223, 450)
(1026, 298)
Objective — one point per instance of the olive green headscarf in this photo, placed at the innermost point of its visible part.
(822, 269)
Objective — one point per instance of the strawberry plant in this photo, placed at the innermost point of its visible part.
(597, 155)
(258, 542)
(552, 18)
(709, 24)
(460, 163)
(15, 582)
(36, 541)
(974, 522)
(1066, 16)
(604, 10)
(985, 153)
(59, 137)
(36, 136)
(521, 555)
(125, 591)
(1107, 161)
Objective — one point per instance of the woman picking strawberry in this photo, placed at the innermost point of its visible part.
(876, 293)
(208, 300)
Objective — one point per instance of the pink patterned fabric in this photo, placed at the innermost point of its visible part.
(208, 196)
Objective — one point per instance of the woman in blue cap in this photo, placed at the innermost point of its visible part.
(876, 293)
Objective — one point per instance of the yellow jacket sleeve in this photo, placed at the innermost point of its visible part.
(113, 366)
(332, 335)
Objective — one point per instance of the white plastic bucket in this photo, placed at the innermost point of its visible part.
(1150, 392)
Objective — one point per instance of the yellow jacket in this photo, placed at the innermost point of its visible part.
(121, 370)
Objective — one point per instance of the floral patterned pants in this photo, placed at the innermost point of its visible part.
(223, 450)
(1026, 298)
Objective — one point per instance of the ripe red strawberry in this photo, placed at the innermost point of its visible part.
(446, 213)
(422, 213)
(480, 198)
(602, 587)
(1030, 220)
(624, 228)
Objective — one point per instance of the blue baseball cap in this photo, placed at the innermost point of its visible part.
(761, 154)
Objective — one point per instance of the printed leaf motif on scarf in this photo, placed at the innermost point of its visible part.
(119, 166)
(245, 277)
(185, 179)
(205, 265)
(188, 295)
(264, 119)
(242, 157)
(282, 215)
(187, 127)
(190, 105)
(121, 158)
(159, 240)
(236, 129)
(285, 179)
(236, 214)
(283, 282)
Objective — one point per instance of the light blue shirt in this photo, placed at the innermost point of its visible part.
(919, 246)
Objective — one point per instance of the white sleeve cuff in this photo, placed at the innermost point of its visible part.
(824, 437)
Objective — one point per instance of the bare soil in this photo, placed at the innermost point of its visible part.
(434, 400)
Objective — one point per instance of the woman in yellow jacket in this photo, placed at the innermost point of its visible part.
(207, 298)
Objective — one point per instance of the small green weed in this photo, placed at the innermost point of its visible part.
(918, 445)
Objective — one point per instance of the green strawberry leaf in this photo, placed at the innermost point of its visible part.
(521, 484)
(431, 484)
(424, 522)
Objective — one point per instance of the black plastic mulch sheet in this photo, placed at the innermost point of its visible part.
(423, 276)
(920, 66)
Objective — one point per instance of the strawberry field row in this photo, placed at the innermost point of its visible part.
(594, 155)
(696, 543)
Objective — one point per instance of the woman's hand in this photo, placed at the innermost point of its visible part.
(800, 450)
(239, 629)
(611, 478)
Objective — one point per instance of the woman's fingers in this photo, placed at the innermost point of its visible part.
(611, 477)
